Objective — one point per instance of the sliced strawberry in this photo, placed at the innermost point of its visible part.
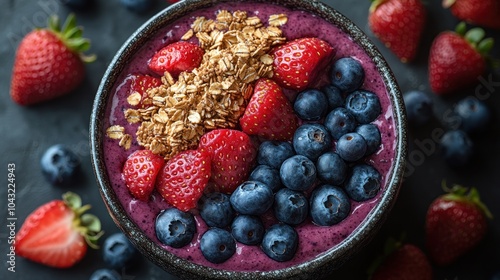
(176, 58)
(139, 85)
(183, 179)
(140, 171)
(269, 113)
(298, 62)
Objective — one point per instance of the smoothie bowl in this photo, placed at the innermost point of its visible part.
(248, 139)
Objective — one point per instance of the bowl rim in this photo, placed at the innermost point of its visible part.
(324, 263)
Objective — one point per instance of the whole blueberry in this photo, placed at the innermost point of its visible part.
(290, 207)
(137, 6)
(331, 168)
(339, 122)
(215, 209)
(217, 245)
(175, 228)
(274, 153)
(248, 229)
(364, 105)
(456, 147)
(118, 252)
(329, 205)
(267, 175)
(418, 107)
(280, 242)
(311, 140)
(351, 147)
(334, 96)
(105, 274)
(310, 105)
(371, 134)
(60, 165)
(298, 173)
(252, 198)
(347, 74)
(363, 182)
(473, 113)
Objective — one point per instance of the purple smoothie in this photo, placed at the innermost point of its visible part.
(313, 240)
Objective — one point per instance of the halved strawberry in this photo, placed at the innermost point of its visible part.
(57, 233)
(140, 171)
(138, 89)
(176, 58)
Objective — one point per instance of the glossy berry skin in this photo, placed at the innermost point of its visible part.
(476, 12)
(267, 175)
(339, 122)
(248, 229)
(406, 261)
(311, 140)
(419, 107)
(252, 198)
(347, 74)
(290, 207)
(473, 113)
(310, 105)
(60, 165)
(371, 134)
(217, 245)
(175, 228)
(140, 83)
(280, 242)
(176, 57)
(363, 183)
(118, 252)
(334, 96)
(329, 205)
(105, 274)
(456, 148)
(331, 168)
(364, 105)
(216, 210)
(351, 147)
(140, 171)
(274, 153)
(298, 173)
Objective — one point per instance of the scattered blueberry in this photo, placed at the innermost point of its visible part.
(137, 6)
(217, 245)
(311, 140)
(347, 74)
(331, 168)
(60, 165)
(334, 96)
(311, 105)
(363, 182)
(267, 175)
(175, 228)
(418, 107)
(339, 122)
(280, 242)
(274, 153)
(329, 205)
(252, 198)
(364, 105)
(371, 133)
(474, 114)
(457, 148)
(216, 210)
(118, 251)
(105, 274)
(298, 173)
(248, 229)
(351, 147)
(290, 207)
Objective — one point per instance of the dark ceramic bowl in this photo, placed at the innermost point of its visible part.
(320, 266)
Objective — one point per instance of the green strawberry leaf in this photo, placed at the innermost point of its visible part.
(474, 35)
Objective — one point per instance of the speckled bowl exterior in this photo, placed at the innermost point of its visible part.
(317, 268)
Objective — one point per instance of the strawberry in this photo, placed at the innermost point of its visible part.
(140, 171)
(233, 156)
(457, 59)
(57, 233)
(455, 223)
(269, 113)
(485, 13)
(298, 62)
(176, 58)
(139, 85)
(183, 179)
(399, 25)
(49, 62)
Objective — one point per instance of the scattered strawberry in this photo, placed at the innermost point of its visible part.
(399, 25)
(298, 62)
(183, 179)
(455, 223)
(140, 171)
(457, 59)
(49, 62)
(139, 85)
(56, 234)
(176, 58)
(485, 13)
(269, 113)
(233, 156)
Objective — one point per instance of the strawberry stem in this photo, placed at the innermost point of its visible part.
(375, 4)
(469, 195)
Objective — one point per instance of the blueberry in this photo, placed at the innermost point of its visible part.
(371, 134)
(137, 6)
(329, 205)
(334, 96)
(474, 114)
(364, 105)
(118, 251)
(290, 207)
(418, 107)
(280, 242)
(310, 105)
(298, 173)
(105, 274)
(347, 74)
(331, 168)
(248, 229)
(60, 166)
(216, 210)
(252, 198)
(339, 122)
(175, 228)
(456, 147)
(274, 153)
(363, 182)
(217, 245)
(311, 140)
(267, 175)
(351, 147)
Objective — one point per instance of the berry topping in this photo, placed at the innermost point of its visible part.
(217, 245)
(371, 134)
(274, 153)
(140, 171)
(280, 242)
(351, 147)
(298, 173)
(248, 229)
(252, 198)
(363, 105)
(175, 228)
(215, 209)
(311, 105)
(290, 207)
(339, 122)
(347, 74)
(311, 140)
(268, 175)
(139, 86)
(329, 205)
(363, 182)
(176, 58)
(331, 168)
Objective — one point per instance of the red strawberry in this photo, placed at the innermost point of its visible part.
(183, 179)
(269, 113)
(140, 84)
(56, 234)
(233, 156)
(298, 62)
(457, 59)
(176, 58)
(140, 171)
(485, 13)
(455, 223)
(49, 63)
(399, 25)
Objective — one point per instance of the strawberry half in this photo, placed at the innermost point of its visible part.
(57, 233)
(140, 171)
(139, 86)
(183, 179)
(176, 58)
(485, 13)
(269, 113)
